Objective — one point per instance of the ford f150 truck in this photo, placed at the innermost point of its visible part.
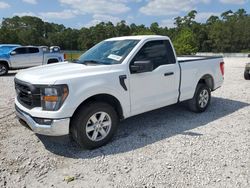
(116, 79)
(18, 57)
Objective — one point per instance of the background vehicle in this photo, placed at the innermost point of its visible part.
(116, 79)
(247, 72)
(18, 57)
(7, 47)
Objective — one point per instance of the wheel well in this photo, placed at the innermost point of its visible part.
(111, 100)
(208, 80)
(53, 60)
(5, 62)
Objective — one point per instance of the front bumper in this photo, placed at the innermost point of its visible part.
(58, 127)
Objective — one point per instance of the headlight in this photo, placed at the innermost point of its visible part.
(52, 97)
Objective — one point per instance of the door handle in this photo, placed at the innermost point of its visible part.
(168, 73)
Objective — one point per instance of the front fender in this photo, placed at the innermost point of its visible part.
(90, 92)
(81, 91)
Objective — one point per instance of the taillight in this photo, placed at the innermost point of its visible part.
(222, 68)
(64, 56)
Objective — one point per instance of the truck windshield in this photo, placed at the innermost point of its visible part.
(108, 52)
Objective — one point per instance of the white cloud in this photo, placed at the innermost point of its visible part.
(167, 23)
(170, 7)
(203, 16)
(30, 1)
(97, 18)
(65, 14)
(24, 14)
(110, 7)
(239, 2)
(4, 5)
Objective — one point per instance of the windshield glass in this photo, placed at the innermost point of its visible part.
(108, 52)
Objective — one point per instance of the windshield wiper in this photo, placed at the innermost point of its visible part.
(87, 62)
(94, 62)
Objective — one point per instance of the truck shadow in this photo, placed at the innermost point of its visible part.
(148, 128)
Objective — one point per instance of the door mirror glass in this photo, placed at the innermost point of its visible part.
(13, 53)
(141, 66)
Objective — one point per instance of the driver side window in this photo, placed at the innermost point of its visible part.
(154, 51)
(158, 52)
(20, 51)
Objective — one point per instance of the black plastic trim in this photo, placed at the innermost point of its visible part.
(179, 89)
(122, 79)
(168, 73)
(28, 95)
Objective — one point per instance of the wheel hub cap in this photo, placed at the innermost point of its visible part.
(2, 70)
(98, 126)
(204, 98)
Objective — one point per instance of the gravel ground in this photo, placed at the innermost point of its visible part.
(169, 147)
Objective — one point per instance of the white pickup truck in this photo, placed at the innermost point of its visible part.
(18, 57)
(116, 79)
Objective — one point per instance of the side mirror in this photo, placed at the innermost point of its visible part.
(141, 66)
(13, 53)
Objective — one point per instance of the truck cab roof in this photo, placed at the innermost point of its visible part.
(139, 37)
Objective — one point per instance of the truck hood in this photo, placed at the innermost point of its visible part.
(3, 55)
(49, 74)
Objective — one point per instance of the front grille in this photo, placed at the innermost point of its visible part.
(27, 94)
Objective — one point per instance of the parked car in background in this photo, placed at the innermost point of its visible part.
(19, 57)
(116, 79)
(247, 72)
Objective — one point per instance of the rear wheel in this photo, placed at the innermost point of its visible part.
(201, 99)
(247, 75)
(3, 69)
(94, 125)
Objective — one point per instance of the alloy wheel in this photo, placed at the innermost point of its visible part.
(98, 126)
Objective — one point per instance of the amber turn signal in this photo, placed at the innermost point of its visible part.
(50, 98)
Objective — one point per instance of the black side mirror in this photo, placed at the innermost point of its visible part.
(141, 66)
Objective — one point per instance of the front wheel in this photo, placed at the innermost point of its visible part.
(94, 125)
(3, 69)
(201, 99)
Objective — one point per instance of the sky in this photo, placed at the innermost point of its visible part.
(86, 13)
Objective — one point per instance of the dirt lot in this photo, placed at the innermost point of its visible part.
(170, 147)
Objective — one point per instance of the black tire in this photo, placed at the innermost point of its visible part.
(3, 69)
(81, 120)
(247, 75)
(196, 104)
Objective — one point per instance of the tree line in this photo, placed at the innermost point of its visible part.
(229, 32)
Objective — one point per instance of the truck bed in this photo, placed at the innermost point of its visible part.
(193, 68)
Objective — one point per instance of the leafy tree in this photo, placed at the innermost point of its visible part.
(185, 42)
(227, 33)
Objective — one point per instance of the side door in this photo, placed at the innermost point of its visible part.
(159, 87)
(18, 57)
(35, 56)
